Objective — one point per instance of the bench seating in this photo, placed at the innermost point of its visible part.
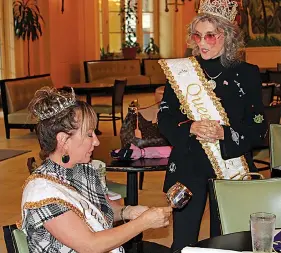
(16, 95)
(153, 70)
(104, 73)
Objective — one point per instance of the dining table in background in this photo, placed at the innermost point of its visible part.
(131, 167)
(89, 89)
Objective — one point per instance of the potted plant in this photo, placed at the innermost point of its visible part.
(27, 23)
(105, 54)
(130, 46)
(152, 50)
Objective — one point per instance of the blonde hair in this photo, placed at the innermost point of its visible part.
(68, 121)
(233, 38)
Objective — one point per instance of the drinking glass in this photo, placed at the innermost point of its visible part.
(262, 231)
(178, 195)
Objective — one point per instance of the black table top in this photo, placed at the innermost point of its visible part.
(240, 241)
(108, 143)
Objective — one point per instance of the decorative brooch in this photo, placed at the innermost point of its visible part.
(258, 119)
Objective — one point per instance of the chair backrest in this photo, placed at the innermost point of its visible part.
(15, 239)
(264, 76)
(275, 145)
(118, 92)
(237, 199)
(267, 94)
(17, 93)
(274, 76)
(272, 115)
(102, 69)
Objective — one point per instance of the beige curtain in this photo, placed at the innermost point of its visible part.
(7, 40)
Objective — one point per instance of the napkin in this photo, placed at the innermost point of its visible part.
(277, 242)
(206, 250)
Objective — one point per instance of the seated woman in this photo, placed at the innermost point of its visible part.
(64, 205)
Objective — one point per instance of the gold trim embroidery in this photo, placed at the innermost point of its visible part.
(47, 177)
(184, 107)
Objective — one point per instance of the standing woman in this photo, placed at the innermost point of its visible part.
(211, 113)
(64, 204)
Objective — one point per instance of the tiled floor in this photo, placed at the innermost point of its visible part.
(14, 171)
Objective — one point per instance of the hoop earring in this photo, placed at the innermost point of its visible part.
(65, 158)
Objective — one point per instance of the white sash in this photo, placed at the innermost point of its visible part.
(198, 101)
(42, 190)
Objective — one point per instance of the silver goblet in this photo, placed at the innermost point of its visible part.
(178, 195)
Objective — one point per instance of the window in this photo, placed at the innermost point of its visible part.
(147, 21)
(111, 36)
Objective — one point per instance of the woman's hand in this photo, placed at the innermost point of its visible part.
(156, 217)
(207, 130)
(133, 212)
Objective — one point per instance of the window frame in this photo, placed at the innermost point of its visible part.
(139, 29)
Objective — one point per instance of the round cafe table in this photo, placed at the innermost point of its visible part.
(240, 241)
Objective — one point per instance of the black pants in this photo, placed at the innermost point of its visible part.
(187, 221)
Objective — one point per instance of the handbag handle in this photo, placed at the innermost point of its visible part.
(135, 105)
(251, 174)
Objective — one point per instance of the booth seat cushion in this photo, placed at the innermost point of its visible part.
(21, 117)
(106, 109)
(20, 92)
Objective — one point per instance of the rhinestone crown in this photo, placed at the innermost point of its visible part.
(63, 103)
(226, 9)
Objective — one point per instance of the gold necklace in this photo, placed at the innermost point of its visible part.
(212, 83)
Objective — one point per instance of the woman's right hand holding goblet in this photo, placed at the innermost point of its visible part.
(156, 217)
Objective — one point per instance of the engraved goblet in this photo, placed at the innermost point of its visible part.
(178, 195)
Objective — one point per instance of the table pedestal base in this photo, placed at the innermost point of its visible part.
(147, 247)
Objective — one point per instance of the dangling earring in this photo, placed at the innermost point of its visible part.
(65, 158)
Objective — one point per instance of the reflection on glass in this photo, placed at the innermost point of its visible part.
(114, 22)
(147, 22)
(147, 5)
(146, 39)
(114, 5)
(115, 42)
(100, 14)
(101, 40)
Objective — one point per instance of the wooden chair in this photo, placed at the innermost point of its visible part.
(272, 115)
(275, 77)
(267, 95)
(275, 149)
(249, 195)
(116, 107)
(15, 239)
(16, 95)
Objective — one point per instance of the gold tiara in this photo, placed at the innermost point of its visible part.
(226, 9)
(62, 104)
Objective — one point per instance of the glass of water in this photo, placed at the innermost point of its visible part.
(262, 231)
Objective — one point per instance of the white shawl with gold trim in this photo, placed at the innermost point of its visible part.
(41, 190)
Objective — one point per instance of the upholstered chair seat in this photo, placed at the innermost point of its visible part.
(106, 109)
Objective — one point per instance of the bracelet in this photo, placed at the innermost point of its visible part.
(122, 213)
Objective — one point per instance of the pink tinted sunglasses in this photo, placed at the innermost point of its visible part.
(210, 38)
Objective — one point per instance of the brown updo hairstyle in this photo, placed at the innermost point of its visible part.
(69, 120)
